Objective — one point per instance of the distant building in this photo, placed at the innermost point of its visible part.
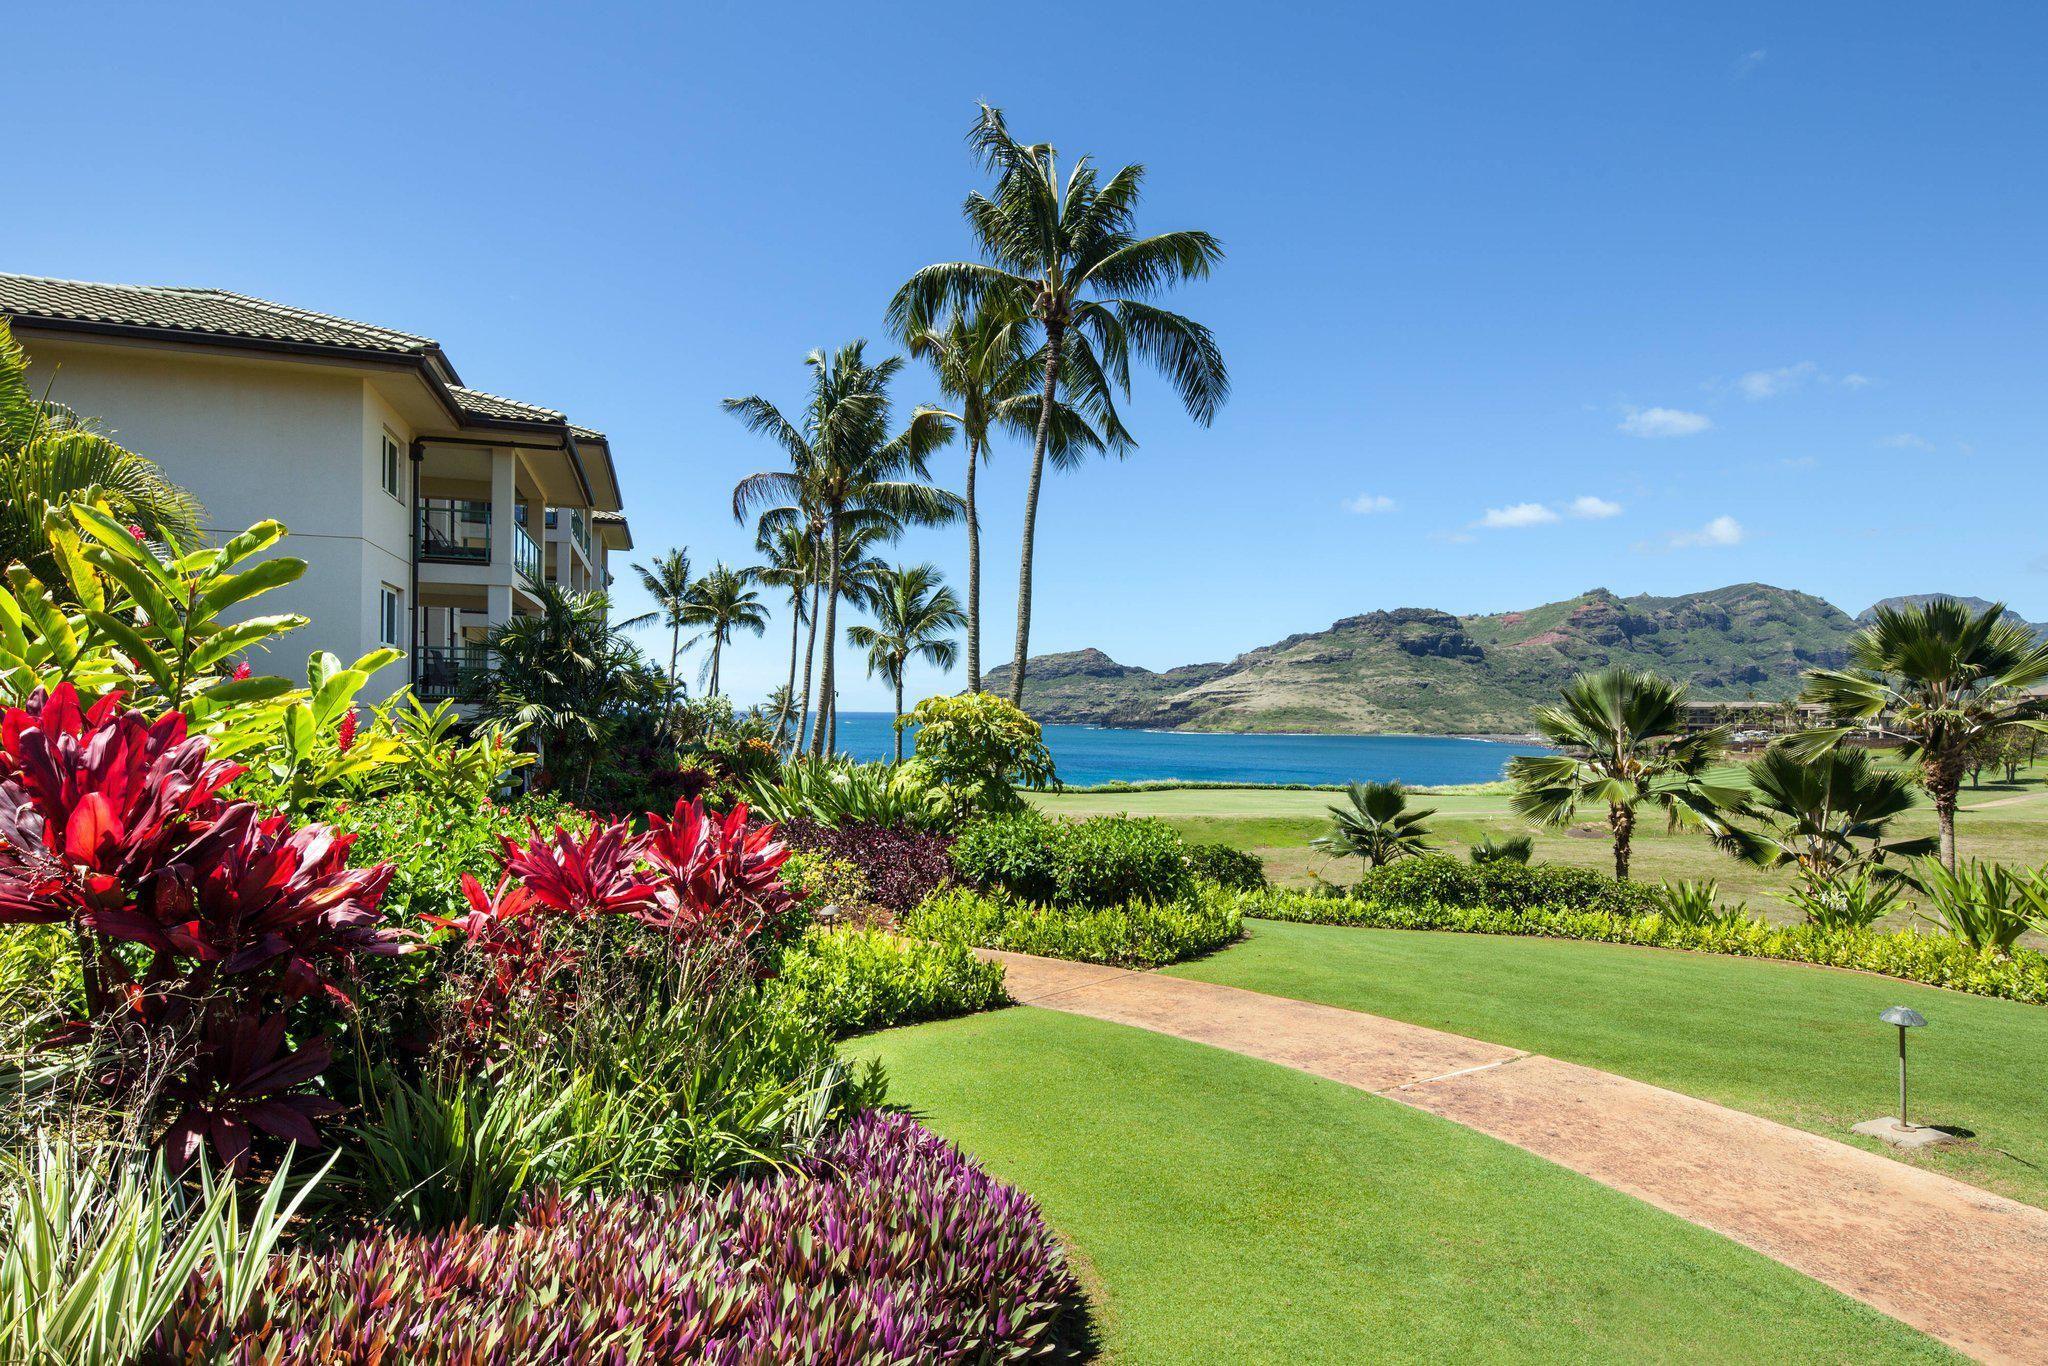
(427, 512)
(1752, 718)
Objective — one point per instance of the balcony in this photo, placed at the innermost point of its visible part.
(449, 671)
(526, 555)
(455, 531)
(578, 527)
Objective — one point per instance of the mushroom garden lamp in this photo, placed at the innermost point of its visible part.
(1905, 1018)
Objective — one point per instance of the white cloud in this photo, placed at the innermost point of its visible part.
(1771, 383)
(1907, 441)
(1593, 509)
(1852, 380)
(1368, 503)
(1653, 422)
(1748, 62)
(1723, 530)
(1517, 515)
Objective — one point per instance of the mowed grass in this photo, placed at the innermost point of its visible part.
(1229, 1210)
(1798, 1044)
(2007, 822)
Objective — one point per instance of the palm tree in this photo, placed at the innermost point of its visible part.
(792, 566)
(1062, 254)
(844, 467)
(1377, 825)
(1939, 680)
(1622, 739)
(50, 457)
(568, 672)
(915, 616)
(985, 371)
(667, 581)
(721, 603)
(1816, 811)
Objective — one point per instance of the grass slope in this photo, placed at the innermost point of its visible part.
(1794, 1043)
(1237, 1211)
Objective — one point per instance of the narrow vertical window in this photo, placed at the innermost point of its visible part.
(388, 615)
(392, 456)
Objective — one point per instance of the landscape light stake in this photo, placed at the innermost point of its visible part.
(1905, 1018)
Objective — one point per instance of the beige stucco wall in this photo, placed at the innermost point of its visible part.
(256, 439)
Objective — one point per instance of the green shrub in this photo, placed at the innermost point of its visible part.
(851, 980)
(1936, 960)
(430, 844)
(1101, 862)
(837, 791)
(1696, 904)
(1495, 847)
(1439, 880)
(1238, 870)
(1986, 905)
(979, 749)
(1138, 934)
(819, 880)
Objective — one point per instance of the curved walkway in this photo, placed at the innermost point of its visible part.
(1960, 1264)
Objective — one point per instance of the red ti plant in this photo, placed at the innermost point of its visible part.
(202, 925)
(597, 874)
(519, 960)
(719, 879)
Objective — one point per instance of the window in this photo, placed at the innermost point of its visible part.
(388, 615)
(391, 458)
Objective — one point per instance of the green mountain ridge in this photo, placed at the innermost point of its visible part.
(1422, 671)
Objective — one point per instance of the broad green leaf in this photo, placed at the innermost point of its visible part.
(135, 647)
(247, 584)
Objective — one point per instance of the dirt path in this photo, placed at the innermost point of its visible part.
(1960, 1264)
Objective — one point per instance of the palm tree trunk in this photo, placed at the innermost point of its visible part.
(899, 713)
(796, 622)
(973, 577)
(803, 719)
(1623, 822)
(1942, 782)
(675, 649)
(1045, 406)
(717, 644)
(825, 671)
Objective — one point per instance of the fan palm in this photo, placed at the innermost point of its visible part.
(1823, 814)
(989, 378)
(1062, 254)
(915, 617)
(568, 672)
(50, 457)
(1940, 681)
(721, 603)
(844, 469)
(1621, 736)
(1376, 825)
(667, 581)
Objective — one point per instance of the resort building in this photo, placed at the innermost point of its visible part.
(427, 511)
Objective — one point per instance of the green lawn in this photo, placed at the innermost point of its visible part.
(1794, 1043)
(1278, 825)
(1233, 1211)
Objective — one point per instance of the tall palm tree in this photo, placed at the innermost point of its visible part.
(667, 581)
(915, 617)
(721, 603)
(49, 457)
(989, 378)
(1063, 254)
(1622, 742)
(844, 465)
(1939, 681)
(791, 553)
(1376, 825)
(1823, 814)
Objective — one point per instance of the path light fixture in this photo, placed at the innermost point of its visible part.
(1897, 1130)
(1905, 1018)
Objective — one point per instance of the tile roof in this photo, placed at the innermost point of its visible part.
(608, 518)
(481, 404)
(210, 312)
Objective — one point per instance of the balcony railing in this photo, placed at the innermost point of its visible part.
(455, 531)
(579, 528)
(450, 670)
(526, 555)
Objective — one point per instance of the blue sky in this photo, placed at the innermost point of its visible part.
(1519, 300)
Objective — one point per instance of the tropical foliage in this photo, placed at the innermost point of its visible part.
(1939, 681)
(915, 617)
(980, 750)
(1144, 933)
(1376, 825)
(1623, 745)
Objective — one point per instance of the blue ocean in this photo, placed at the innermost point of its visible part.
(1086, 755)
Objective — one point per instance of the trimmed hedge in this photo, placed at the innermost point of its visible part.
(1932, 959)
(1235, 869)
(1137, 934)
(1107, 861)
(1439, 880)
(853, 980)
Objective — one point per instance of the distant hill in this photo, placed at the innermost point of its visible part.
(1418, 670)
(1869, 614)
